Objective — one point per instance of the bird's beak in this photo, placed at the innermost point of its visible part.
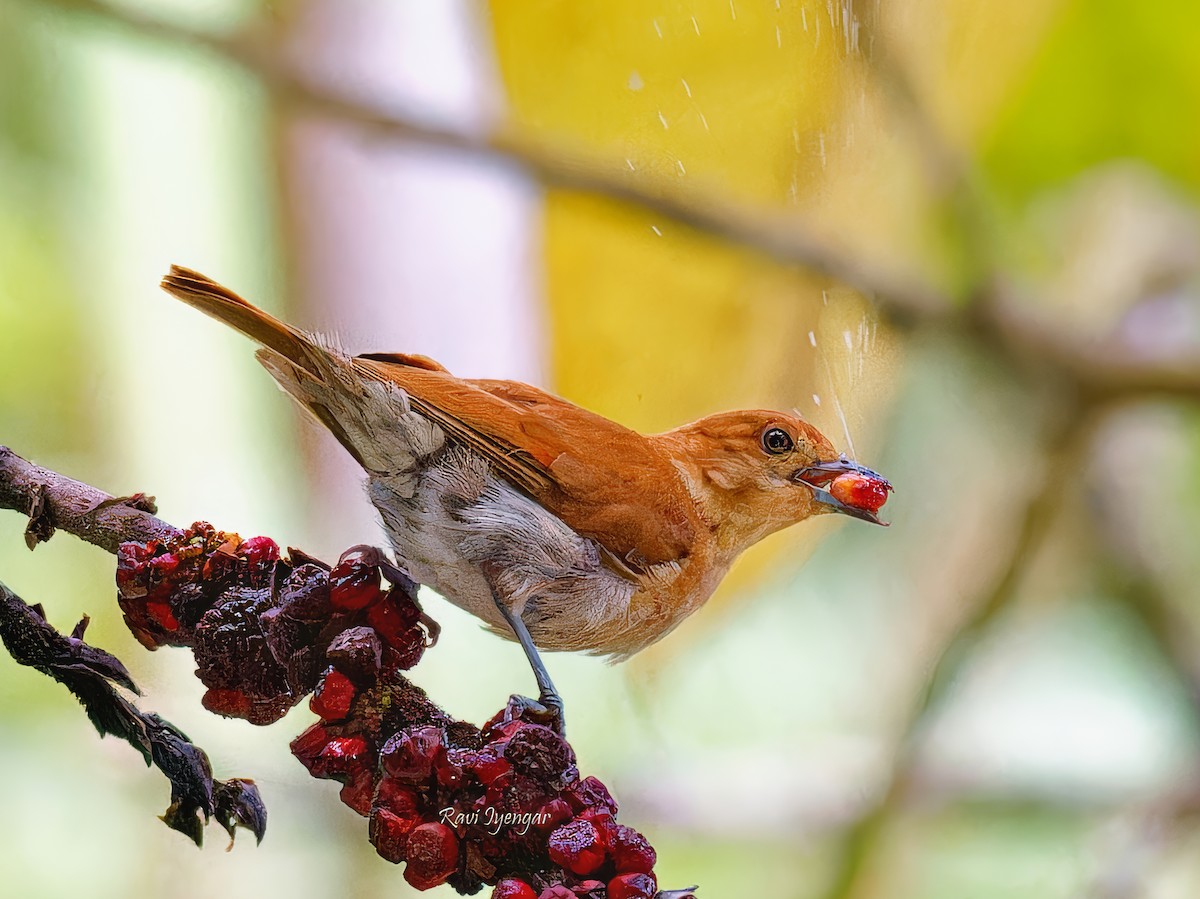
(820, 475)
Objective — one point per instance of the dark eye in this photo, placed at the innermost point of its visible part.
(776, 441)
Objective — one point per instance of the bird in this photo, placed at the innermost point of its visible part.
(557, 527)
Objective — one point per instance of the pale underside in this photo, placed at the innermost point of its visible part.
(468, 534)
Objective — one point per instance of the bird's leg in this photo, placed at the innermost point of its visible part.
(549, 704)
(397, 577)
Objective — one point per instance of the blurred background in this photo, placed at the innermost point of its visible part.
(961, 238)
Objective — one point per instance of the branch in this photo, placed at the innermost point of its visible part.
(503, 804)
(93, 676)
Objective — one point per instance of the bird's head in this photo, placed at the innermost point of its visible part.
(756, 472)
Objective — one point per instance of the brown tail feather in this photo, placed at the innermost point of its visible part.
(223, 304)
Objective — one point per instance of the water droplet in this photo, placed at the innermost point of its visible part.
(816, 399)
(679, 163)
(812, 338)
(656, 230)
(629, 162)
(635, 81)
(662, 118)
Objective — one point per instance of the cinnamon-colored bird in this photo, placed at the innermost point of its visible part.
(554, 525)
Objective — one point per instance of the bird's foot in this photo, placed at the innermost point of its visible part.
(547, 709)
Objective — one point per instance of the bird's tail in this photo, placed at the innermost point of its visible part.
(314, 375)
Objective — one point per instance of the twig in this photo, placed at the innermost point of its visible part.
(93, 676)
(53, 501)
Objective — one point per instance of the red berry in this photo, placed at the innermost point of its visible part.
(340, 756)
(309, 744)
(393, 626)
(389, 834)
(631, 852)
(590, 793)
(161, 613)
(632, 886)
(860, 491)
(489, 763)
(333, 696)
(359, 791)
(259, 550)
(577, 847)
(510, 888)
(230, 703)
(432, 852)
(353, 584)
(552, 814)
(409, 756)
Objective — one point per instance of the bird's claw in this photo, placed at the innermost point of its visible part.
(547, 709)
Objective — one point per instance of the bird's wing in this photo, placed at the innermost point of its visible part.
(607, 482)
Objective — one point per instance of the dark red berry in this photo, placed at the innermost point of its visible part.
(510, 888)
(632, 886)
(230, 703)
(353, 584)
(393, 627)
(309, 744)
(389, 834)
(540, 753)
(552, 814)
(489, 763)
(577, 847)
(259, 550)
(399, 799)
(432, 852)
(358, 791)
(631, 852)
(410, 755)
(161, 613)
(590, 793)
(357, 652)
(333, 697)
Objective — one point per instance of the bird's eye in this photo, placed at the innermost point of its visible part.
(776, 441)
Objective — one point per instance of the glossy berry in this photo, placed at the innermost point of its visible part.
(510, 888)
(333, 697)
(353, 584)
(409, 756)
(860, 491)
(432, 852)
(577, 847)
(632, 886)
(259, 550)
(631, 852)
(590, 793)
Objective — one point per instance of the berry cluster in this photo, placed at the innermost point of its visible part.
(262, 628)
(504, 805)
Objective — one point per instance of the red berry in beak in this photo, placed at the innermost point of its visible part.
(860, 491)
(259, 550)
